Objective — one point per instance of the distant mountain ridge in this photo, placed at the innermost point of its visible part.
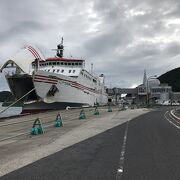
(172, 77)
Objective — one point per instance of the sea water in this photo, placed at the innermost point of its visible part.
(12, 111)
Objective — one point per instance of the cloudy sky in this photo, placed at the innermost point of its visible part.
(120, 37)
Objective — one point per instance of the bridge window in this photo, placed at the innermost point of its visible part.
(57, 70)
(62, 70)
(54, 63)
(74, 71)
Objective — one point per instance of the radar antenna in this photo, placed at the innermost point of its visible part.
(60, 49)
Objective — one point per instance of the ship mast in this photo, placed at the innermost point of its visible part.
(60, 49)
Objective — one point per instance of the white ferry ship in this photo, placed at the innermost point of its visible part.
(53, 83)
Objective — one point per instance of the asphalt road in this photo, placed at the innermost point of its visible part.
(153, 149)
(152, 152)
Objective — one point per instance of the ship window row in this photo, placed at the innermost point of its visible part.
(58, 70)
(60, 63)
(88, 77)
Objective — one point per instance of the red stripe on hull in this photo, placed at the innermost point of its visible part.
(46, 79)
(45, 82)
(73, 84)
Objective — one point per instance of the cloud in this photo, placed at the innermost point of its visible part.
(121, 38)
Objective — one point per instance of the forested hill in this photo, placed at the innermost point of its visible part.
(172, 78)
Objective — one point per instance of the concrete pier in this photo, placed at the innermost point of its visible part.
(23, 150)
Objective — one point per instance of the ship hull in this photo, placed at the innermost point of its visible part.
(36, 107)
(53, 88)
(68, 92)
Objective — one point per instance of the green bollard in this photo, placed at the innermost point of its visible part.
(109, 108)
(34, 131)
(82, 114)
(96, 112)
(57, 124)
(37, 127)
(59, 121)
(40, 130)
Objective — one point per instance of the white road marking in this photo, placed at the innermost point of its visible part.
(123, 150)
(170, 120)
(174, 119)
(172, 113)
